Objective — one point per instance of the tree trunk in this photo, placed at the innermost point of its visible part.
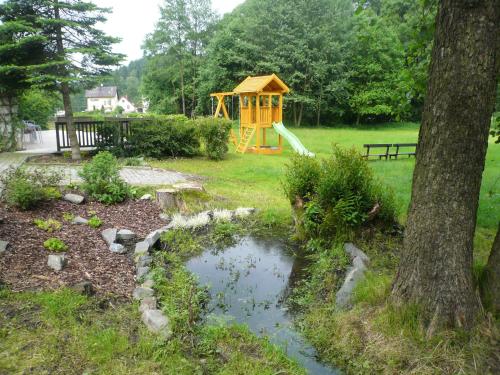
(318, 109)
(301, 111)
(183, 98)
(68, 110)
(435, 271)
(294, 113)
(490, 291)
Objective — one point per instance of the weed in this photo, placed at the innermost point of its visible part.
(55, 244)
(94, 222)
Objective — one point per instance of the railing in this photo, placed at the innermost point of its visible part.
(91, 132)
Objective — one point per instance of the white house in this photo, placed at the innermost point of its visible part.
(102, 97)
(127, 106)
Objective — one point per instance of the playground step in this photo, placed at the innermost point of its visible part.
(232, 138)
(245, 140)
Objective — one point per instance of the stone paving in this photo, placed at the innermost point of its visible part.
(132, 175)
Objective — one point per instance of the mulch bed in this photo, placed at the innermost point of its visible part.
(24, 265)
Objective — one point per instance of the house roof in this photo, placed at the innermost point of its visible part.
(259, 84)
(101, 92)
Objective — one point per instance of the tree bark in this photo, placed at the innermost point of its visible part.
(183, 98)
(65, 91)
(435, 271)
(490, 291)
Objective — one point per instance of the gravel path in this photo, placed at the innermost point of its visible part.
(132, 175)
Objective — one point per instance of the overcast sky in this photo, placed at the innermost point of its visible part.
(131, 20)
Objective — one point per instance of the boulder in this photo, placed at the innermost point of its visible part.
(153, 237)
(157, 322)
(148, 303)
(144, 260)
(125, 234)
(242, 212)
(354, 252)
(117, 248)
(141, 293)
(141, 272)
(141, 248)
(74, 198)
(3, 246)
(109, 235)
(146, 197)
(84, 287)
(79, 220)
(57, 261)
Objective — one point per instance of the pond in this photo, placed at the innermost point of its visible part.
(249, 283)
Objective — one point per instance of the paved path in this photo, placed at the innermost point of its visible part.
(132, 175)
(10, 160)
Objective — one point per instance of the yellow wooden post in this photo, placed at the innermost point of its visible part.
(280, 117)
(219, 103)
(257, 121)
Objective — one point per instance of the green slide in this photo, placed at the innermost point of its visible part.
(292, 139)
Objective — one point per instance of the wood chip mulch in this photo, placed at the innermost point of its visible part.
(24, 265)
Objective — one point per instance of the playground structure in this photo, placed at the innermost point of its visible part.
(261, 108)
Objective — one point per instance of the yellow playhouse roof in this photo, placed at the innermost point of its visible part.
(259, 84)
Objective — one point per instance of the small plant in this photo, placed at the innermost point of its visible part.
(68, 217)
(133, 162)
(55, 244)
(49, 225)
(94, 222)
(25, 189)
(102, 179)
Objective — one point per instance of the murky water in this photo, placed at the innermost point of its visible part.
(249, 283)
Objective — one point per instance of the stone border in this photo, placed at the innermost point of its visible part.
(354, 275)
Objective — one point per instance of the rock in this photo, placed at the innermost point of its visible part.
(79, 220)
(189, 186)
(153, 237)
(74, 198)
(354, 252)
(148, 284)
(125, 234)
(57, 261)
(84, 287)
(242, 212)
(148, 303)
(3, 246)
(146, 197)
(157, 322)
(144, 260)
(141, 272)
(141, 248)
(164, 217)
(109, 235)
(117, 248)
(141, 293)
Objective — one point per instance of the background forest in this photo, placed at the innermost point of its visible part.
(344, 62)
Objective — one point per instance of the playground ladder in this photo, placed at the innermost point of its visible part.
(232, 138)
(245, 140)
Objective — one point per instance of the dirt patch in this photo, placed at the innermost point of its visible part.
(24, 265)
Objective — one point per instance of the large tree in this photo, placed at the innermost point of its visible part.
(435, 272)
(76, 52)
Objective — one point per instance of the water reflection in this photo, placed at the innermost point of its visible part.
(249, 282)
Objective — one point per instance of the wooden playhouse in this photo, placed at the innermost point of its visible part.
(260, 105)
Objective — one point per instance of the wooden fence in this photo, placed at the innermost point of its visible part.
(91, 132)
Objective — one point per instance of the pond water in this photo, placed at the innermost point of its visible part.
(249, 283)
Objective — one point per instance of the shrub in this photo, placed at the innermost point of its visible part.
(339, 194)
(49, 225)
(55, 244)
(180, 241)
(159, 138)
(25, 189)
(94, 222)
(102, 180)
(214, 134)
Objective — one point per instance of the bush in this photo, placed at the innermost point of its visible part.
(339, 194)
(25, 189)
(159, 138)
(102, 179)
(38, 106)
(214, 134)
(55, 244)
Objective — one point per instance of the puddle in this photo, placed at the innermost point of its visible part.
(249, 283)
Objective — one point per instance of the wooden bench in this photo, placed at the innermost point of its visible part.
(411, 152)
(385, 146)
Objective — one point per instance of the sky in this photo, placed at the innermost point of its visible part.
(131, 20)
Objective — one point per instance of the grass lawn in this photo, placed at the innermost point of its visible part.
(254, 180)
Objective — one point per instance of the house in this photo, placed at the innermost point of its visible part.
(127, 106)
(102, 98)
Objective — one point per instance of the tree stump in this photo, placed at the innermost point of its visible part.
(167, 199)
